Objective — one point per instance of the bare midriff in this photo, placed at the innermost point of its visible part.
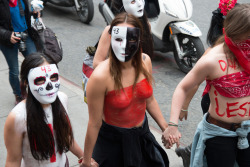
(231, 110)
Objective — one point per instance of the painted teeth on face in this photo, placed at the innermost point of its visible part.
(125, 42)
(44, 83)
(134, 7)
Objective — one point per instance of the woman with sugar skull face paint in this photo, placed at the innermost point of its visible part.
(38, 131)
(136, 8)
(119, 91)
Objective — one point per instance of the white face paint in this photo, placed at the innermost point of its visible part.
(44, 83)
(134, 7)
(125, 42)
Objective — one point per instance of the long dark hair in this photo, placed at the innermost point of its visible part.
(147, 41)
(115, 64)
(40, 137)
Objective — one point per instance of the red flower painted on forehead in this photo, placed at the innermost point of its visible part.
(226, 5)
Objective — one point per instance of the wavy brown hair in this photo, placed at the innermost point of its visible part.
(40, 136)
(237, 23)
(137, 63)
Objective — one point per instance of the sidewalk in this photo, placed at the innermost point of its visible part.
(78, 113)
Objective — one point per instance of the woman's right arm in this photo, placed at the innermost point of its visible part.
(103, 48)
(200, 71)
(13, 142)
(95, 97)
(184, 111)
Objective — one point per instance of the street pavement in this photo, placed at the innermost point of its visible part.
(78, 113)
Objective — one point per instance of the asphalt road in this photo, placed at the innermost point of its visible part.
(76, 36)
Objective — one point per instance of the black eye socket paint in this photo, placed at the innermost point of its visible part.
(133, 39)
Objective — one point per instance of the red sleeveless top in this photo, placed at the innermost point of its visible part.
(127, 108)
(232, 85)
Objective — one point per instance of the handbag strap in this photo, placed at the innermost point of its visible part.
(20, 8)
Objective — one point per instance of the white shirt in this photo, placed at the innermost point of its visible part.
(20, 126)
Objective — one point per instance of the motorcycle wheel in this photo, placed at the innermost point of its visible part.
(193, 49)
(86, 11)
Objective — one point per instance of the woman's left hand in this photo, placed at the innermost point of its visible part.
(171, 136)
(93, 163)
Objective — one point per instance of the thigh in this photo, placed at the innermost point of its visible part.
(10, 55)
(221, 151)
(243, 156)
(108, 153)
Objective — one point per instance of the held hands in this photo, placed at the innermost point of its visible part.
(170, 136)
(93, 163)
(14, 39)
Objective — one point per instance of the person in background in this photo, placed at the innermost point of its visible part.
(222, 137)
(119, 91)
(16, 32)
(136, 8)
(214, 32)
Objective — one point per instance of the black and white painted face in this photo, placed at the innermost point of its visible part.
(125, 42)
(134, 7)
(44, 83)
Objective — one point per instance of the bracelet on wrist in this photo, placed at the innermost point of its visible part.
(80, 160)
(172, 124)
(184, 110)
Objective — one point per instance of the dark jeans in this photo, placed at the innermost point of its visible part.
(223, 152)
(11, 56)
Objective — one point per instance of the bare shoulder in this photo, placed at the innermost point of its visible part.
(101, 72)
(106, 31)
(146, 59)
(10, 122)
(11, 118)
(107, 28)
(99, 80)
(213, 63)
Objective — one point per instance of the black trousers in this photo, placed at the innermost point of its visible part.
(223, 152)
(205, 103)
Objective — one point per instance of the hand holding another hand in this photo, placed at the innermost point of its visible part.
(171, 136)
(93, 163)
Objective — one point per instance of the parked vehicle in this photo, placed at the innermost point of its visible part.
(84, 8)
(172, 29)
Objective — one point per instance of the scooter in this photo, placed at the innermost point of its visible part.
(84, 8)
(171, 29)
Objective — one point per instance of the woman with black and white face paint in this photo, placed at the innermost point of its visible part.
(33, 131)
(125, 42)
(136, 8)
(119, 91)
